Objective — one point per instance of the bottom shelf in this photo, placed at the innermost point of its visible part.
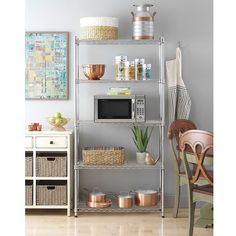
(82, 207)
(46, 206)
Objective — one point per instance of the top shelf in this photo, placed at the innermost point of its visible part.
(118, 42)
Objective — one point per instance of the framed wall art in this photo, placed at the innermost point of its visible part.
(46, 58)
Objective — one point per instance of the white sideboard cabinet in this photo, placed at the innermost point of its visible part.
(48, 170)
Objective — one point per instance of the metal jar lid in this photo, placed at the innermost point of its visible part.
(139, 60)
(121, 58)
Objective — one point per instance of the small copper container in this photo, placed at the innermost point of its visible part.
(125, 200)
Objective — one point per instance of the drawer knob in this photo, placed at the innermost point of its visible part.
(51, 142)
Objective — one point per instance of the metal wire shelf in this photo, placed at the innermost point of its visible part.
(118, 42)
(126, 166)
(147, 123)
(82, 81)
(82, 207)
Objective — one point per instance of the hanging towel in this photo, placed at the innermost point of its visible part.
(179, 102)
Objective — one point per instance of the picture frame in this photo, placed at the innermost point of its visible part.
(47, 65)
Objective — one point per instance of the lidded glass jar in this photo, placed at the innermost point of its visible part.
(147, 71)
(129, 70)
(139, 68)
(143, 21)
(120, 67)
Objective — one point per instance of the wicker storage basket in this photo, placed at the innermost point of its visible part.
(99, 28)
(103, 155)
(29, 194)
(28, 166)
(51, 165)
(51, 194)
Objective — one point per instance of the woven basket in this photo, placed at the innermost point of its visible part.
(28, 195)
(28, 166)
(51, 165)
(98, 32)
(103, 155)
(51, 195)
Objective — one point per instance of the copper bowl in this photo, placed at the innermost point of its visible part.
(99, 204)
(93, 71)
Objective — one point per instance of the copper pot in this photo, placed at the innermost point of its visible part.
(146, 198)
(125, 201)
(97, 197)
(94, 71)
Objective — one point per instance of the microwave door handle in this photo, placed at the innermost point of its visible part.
(133, 108)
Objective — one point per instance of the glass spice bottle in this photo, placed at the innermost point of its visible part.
(148, 74)
(147, 71)
(129, 70)
(139, 68)
(120, 67)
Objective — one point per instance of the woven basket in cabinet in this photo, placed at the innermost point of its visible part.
(51, 194)
(28, 166)
(29, 195)
(51, 165)
(103, 155)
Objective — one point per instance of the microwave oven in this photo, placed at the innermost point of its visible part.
(108, 108)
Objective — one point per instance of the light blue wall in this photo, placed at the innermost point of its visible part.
(188, 21)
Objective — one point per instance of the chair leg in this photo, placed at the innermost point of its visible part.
(192, 206)
(177, 194)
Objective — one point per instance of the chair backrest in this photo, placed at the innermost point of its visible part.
(175, 129)
(200, 143)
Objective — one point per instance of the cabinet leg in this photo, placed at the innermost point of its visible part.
(68, 212)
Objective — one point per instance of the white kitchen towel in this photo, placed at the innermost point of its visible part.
(179, 102)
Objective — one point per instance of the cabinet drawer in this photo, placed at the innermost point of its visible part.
(28, 142)
(51, 142)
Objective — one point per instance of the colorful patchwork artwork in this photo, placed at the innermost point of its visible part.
(46, 57)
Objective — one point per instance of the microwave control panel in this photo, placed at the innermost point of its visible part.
(140, 108)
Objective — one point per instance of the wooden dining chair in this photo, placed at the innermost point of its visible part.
(201, 145)
(175, 129)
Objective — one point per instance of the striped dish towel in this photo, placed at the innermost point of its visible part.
(179, 102)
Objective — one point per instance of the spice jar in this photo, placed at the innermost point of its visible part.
(120, 67)
(129, 70)
(147, 71)
(139, 68)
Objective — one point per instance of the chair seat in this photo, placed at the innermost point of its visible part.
(205, 189)
(210, 172)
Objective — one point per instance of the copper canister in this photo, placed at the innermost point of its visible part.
(146, 198)
(125, 201)
(143, 22)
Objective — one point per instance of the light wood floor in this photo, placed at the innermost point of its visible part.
(56, 223)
